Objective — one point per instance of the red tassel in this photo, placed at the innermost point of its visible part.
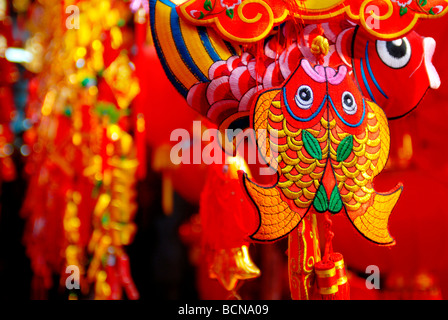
(126, 278)
(326, 280)
(341, 275)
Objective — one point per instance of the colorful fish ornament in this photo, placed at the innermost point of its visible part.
(328, 143)
(387, 71)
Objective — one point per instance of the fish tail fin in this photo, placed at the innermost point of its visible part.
(277, 218)
(373, 224)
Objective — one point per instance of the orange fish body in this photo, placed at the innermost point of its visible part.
(328, 143)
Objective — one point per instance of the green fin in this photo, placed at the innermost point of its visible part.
(344, 149)
(321, 200)
(311, 144)
(335, 201)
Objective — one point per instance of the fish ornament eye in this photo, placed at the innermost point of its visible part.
(348, 103)
(304, 97)
(395, 54)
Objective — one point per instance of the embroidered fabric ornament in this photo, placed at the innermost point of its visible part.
(248, 21)
(387, 71)
(326, 139)
(330, 144)
(221, 84)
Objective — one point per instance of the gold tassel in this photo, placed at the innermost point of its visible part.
(326, 280)
(341, 275)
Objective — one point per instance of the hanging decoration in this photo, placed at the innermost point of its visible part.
(375, 63)
(223, 210)
(307, 86)
(80, 205)
(248, 21)
(220, 81)
(313, 79)
(9, 75)
(327, 153)
(330, 143)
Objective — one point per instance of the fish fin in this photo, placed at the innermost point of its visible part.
(373, 223)
(260, 123)
(277, 218)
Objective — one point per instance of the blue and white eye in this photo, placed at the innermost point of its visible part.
(304, 97)
(349, 103)
(395, 54)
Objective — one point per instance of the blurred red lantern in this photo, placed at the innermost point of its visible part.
(164, 110)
